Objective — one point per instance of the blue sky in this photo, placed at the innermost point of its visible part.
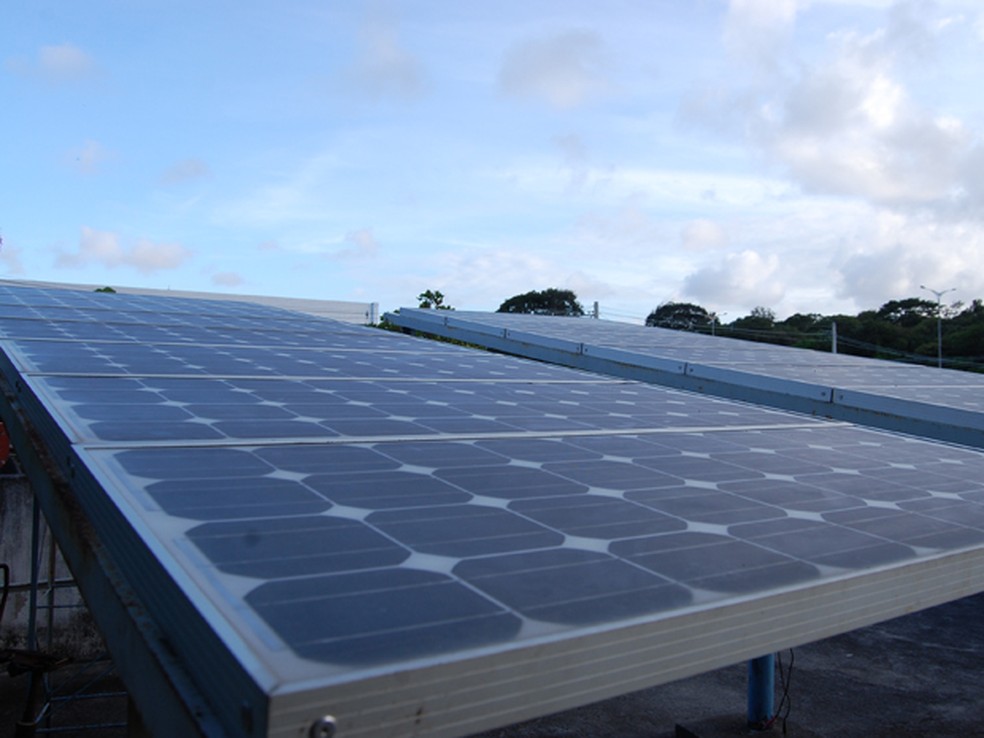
(801, 155)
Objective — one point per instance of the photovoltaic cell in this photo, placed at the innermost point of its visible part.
(341, 505)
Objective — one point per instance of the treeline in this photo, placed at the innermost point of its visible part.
(905, 330)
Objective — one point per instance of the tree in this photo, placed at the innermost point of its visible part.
(432, 299)
(805, 323)
(760, 319)
(680, 316)
(548, 302)
(908, 312)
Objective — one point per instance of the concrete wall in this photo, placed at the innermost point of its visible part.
(63, 624)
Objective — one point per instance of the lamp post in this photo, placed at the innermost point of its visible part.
(714, 319)
(939, 321)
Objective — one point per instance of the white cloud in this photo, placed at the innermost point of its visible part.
(847, 122)
(298, 195)
(186, 170)
(674, 190)
(899, 253)
(384, 68)
(57, 65)
(148, 257)
(575, 158)
(703, 235)
(488, 276)
(362, 246)
(626, 228)
(565, 70)
(744, 278)
(911, 29)
(10, 257)
(757, 30)
(65, 62)
(879, 144)
(103, 249)
(89, 158)
(227, 279)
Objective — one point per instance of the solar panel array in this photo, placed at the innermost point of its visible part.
(413, 536)
(938, 403)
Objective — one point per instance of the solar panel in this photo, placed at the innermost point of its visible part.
(413, 537)
(934, 403)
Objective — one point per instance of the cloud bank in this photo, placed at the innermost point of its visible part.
(104, 249)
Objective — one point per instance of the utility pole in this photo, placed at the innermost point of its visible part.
(939, 320)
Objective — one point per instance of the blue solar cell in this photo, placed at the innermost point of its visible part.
(895, 525)
(715, 562)
(771, 463)
(866, 487)
(705, 506)
(822, 543)
(571, 586)
(593, 516)
(510, 482)
(791, 495)
(322, 459)
(153, 430)
(385, 489)
(376, 617)
(463, 530)
(619, 475)
(273, 429)
(438, 453)
(700, 468)
(539, 450)
(270, 548)
(225, 499)
(191, 463)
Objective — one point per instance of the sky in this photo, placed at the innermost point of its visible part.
(808, 156)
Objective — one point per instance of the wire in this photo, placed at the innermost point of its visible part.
(785, 682)
(6, 589)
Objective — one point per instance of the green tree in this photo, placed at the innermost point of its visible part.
(803, 323)
(966, 337)
(681, 316)
(432, 299)
(908, 312)
(546, 302)
(760, 319)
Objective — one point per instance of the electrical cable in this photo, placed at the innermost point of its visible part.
(6, 589)
(785, 682)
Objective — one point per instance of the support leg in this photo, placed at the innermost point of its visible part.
(761, 692)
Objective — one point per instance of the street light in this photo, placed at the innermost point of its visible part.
(939, 321)
(714, 319)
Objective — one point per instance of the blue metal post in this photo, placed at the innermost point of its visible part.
(761, 691)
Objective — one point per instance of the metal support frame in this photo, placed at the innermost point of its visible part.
(761, 692)
(166, 694)
(55, 683)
